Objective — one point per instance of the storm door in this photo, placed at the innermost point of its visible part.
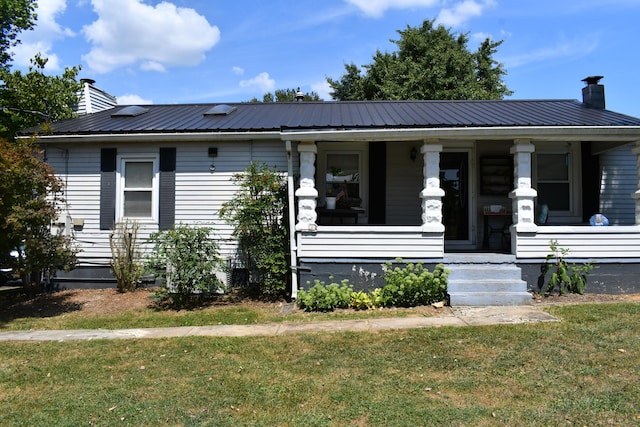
(454, 180)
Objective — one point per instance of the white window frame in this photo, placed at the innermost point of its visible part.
(572, 150)
(122, 160)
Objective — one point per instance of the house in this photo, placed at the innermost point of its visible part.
(482, 186)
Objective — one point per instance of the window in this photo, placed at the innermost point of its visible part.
(554, 185)
(138, 188)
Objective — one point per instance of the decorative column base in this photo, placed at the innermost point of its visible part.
(524, 210)
(431, 194)
(432, 210)
(307, 194)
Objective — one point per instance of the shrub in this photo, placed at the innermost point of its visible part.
(186, 260)
(258, 213)
(126, 260)
(325, 298)
(566, 277)
(413, 285)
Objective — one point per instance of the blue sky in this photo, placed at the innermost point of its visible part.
(194, 51)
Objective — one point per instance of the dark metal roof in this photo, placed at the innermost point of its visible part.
(257, 117)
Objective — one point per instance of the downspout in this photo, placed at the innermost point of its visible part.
(292, 223)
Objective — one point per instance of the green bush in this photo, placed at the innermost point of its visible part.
(408, 286)
(186, 259)
(413, 285)
(325, 298)
(258, 213)
(566, 277)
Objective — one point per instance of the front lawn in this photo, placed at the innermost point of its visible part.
(580, 371)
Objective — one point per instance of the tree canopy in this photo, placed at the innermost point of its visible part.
(32, 98)
(15, 17)
(287, 95)
(430, 63)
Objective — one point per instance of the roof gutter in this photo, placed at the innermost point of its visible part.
(559, 133)
(158, 137)
(548, 133)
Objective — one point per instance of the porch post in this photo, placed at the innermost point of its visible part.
(307, 194)
(636, 194)
(431, 194)
(523, 194)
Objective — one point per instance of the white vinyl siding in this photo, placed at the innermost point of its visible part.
(199, 194)
(404, 183)
(618, 182)
(370, 242)
(582, 241)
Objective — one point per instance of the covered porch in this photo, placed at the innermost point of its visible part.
(471, 182)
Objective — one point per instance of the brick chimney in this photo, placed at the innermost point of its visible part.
(593, 93)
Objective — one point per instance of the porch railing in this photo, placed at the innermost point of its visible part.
(613, 242)
(370, 242)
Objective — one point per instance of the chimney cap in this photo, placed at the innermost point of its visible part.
(592, 80)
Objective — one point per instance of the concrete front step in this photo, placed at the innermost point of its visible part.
(485, 279)
(485, 272)
(487, 286)
(489, 298)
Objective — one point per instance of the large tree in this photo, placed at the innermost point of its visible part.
(430, 63)
(30, 194)
(31, 98)
(15, 17)
(287, 95)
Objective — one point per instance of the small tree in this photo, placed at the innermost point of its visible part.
(259, 214)
(126, 260)
(30, 201)
(186, 259)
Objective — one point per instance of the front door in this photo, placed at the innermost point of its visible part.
(454, 179)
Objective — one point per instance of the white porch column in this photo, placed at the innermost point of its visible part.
(307, 194)
(636, 194)
(523, 194)
(431, 194)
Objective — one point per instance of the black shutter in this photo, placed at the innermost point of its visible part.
(167, 194)
(107, 188)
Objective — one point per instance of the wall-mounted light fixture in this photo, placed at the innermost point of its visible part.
(213, 152)
(413, 154)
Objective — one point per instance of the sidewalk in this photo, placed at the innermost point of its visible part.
(460, 316)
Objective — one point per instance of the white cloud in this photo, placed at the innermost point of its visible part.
(262, 82)
(237, 70)
(322, 88)
(131, 33)
(462, 12)
(130, 99)
(566, 50)
(376, 8)
(41, 38)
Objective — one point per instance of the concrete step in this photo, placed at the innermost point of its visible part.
(487, 286)
(485, 272)
(489, 298)
(483, 280)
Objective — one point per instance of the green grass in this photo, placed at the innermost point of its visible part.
(581, 371)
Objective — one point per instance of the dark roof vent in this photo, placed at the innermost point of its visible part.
(593, 92)
(130, 111)
(221, 110)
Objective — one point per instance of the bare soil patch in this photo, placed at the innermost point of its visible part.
(97, 302)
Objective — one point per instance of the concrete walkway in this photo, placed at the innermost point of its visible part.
(459, 316)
